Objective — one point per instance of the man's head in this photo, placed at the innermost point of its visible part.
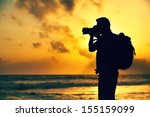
(103, 23)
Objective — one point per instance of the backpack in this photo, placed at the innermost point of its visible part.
(124, 52)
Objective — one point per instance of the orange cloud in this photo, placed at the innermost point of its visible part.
(43, 35)
(85, 53)
(37, 45)
(59, 47)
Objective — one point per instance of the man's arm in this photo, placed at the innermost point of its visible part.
(92, 46)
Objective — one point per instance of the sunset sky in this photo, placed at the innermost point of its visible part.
(45, 36)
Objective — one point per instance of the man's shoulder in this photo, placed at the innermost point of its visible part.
(113, 36)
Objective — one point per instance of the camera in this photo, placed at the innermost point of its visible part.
(87, 30)
(91, 31)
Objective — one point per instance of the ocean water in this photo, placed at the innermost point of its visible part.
(70, 87)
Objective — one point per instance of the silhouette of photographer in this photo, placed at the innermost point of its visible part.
(105, 65)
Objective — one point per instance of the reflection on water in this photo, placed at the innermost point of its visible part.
(70, 87)
(136, 92)
(139, 92)
(72, 93)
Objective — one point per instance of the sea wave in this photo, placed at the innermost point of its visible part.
(63, 81)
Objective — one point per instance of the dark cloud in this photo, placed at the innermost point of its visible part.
(57, 29)
(2, 61)
(15, 19)
(85, 53)
(37, 45)
(92, 64)
(7, 39)
(50, 28)
(69, 4)
(140, 66)
(46, 65)
(12, 17)
(59, 47)
(54, 27)
(148, 0)
(90, 67)
(40, 8)
(97, 3)
(53, 58)
(20, 44)
(43, 35)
